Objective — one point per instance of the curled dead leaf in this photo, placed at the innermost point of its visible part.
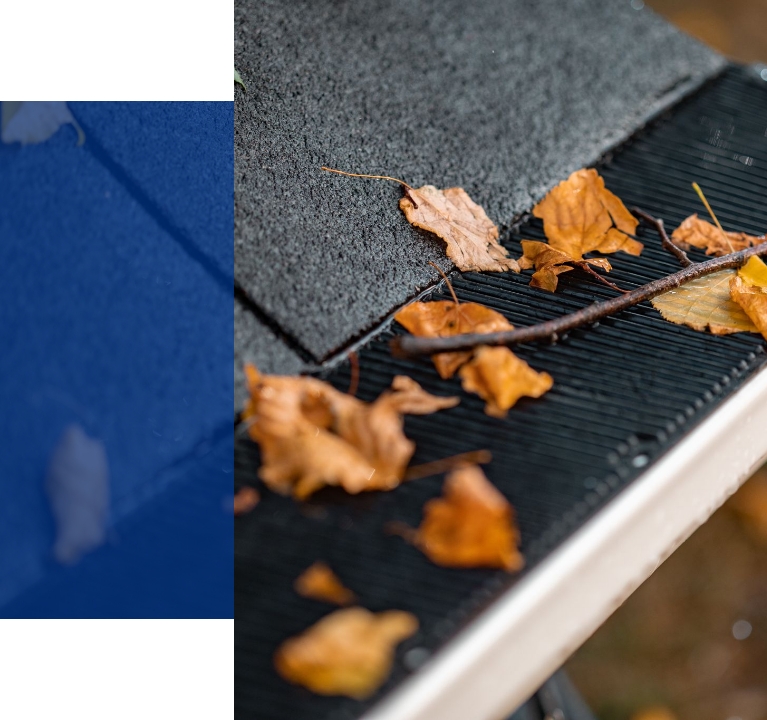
(500, 378)
(705, 304)
(471, 237)
(698, 233)
(749, 290)
(581, 215)
(245, 500)
(444, 318)
(319, 582)
(550, 263)
(312, 435)
(349, 652)
(471, 525)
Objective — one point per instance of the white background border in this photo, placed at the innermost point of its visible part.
(116, 669)
(138, 50)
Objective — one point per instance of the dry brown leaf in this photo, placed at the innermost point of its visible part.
(319, 582)
(749, 290)
(471, 237)
(245, 500)
(471, 525)
(349, 652)
(580, 215)
(550, 263)
(444, 318)
(312, 435)
(704, 304)
(698, 233)
(500, 378)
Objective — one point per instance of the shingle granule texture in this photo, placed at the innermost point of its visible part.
(502, 97)
(255, 343)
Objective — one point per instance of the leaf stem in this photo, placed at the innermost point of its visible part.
(590, 270)
(377, 177)
(447, 280)
(409, 345)
(702, 197)
(371, 177)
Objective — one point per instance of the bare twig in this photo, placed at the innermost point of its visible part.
(590, 270)
(408, 345)
(447, 281)
(474, 457)
(354, 369)
(667, 242)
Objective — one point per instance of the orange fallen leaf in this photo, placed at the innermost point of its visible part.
(749, 290)
(471, 525)
(312, 435)
(319, 582)
(550, 263)
(500, 378)
(698, 233)
(471, 237)
(580, 215)
(444, 318)
(245, 500)
(349, 652)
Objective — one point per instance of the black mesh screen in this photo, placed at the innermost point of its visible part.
(624, 392)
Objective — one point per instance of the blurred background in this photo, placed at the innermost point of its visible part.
(736, 28)
(691, 643)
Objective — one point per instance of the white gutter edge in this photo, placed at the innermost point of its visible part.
(498, 661)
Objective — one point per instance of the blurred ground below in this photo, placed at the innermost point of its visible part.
(693, 638)
(736, 28)
(691, 643)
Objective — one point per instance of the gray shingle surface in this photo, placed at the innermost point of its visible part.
(255, 343)
(502, 97)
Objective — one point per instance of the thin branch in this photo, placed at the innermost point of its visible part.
(666, 241)
(590, 270)
(474, 457)
(408, 345)
(354, 378)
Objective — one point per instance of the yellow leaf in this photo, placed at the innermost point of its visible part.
(749, 290)
(704, 304)
(754, 272)
(349, 652)
(471, 237)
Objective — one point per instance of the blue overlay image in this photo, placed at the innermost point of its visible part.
(116, 356)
